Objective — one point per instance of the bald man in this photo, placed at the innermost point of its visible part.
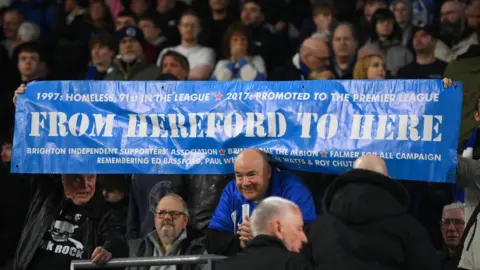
(255, 179)
(365, 224)
(313, 56)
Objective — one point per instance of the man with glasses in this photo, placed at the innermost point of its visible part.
(452, 226)
(170, 236)
(230, 229)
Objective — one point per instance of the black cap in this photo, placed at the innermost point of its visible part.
(131, 31)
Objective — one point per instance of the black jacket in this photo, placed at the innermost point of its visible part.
(265, 252)
(101, 228)
(366, 226)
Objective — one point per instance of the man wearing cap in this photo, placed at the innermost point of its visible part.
(130, 64)
(102, 50)
(426, 65)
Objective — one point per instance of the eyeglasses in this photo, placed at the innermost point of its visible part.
(456, 222)
(174, 214)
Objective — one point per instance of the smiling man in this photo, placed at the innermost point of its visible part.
(69, 221)
(230, 230)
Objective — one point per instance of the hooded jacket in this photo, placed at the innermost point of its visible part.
(366, 226)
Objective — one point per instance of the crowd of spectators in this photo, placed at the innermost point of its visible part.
(222, 40)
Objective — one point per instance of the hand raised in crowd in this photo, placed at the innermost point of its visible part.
(447, 82)
(101, 256)
(245, 232)
(20, 90)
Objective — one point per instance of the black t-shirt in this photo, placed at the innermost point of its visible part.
(62, 242)
(417, 71)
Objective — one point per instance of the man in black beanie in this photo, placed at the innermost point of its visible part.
(130, 64)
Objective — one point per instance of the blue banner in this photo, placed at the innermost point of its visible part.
(199, 127)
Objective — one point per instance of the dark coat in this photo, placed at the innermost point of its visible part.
(103, 225)
(366, 226)
(265, 252)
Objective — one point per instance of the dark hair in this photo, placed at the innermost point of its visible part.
(259, 3)
(152, 18)
(106, 16)
(322, 6)
(128, 13)
(477, 103)
(190, 12)
(233, 29)
(177, 56)
(105, 39)
(14, 10)
(29, 47)
(112, 182)
(384, 14)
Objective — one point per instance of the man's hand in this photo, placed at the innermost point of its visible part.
(245, 232)
(101, 256)
(20, 90)
(447, 82)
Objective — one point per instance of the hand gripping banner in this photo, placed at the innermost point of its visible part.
(199, 127)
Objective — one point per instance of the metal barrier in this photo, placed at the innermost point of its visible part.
(149, 261)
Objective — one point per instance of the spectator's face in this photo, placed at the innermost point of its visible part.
(400, 11)
(252, 177)
(423, 42)
(189, 28)
(376, 70)
(451, 12)
(122, 22)
(170, 219)
(96, 12)
(473, 16)
(6, 152)
(369, 9)
(343, 43)
(28, 63)
(323, 20)
(101, 54)
(11, 22)
(150, 31)
(239, 42)
(251, 14)
(384, 28)
(139, 7)
(170, 65)
(164, 5)
(80, 188)
(217, 4)
(130, 49)
(453, 224)
(290, 229)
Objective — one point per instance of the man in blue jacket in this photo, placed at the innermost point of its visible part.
(255, 179)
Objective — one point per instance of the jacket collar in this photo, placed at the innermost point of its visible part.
(264, 240)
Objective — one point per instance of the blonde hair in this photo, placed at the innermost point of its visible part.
(360, 70)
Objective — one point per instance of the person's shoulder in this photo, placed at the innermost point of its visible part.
(288, 176)
(296, 261)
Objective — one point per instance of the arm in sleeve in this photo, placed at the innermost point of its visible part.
(298, 193)
(221, 237)
(253, 70)
(223, 71)
(468, 173)
(468, 151)
(111, 231)
(420, 253)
